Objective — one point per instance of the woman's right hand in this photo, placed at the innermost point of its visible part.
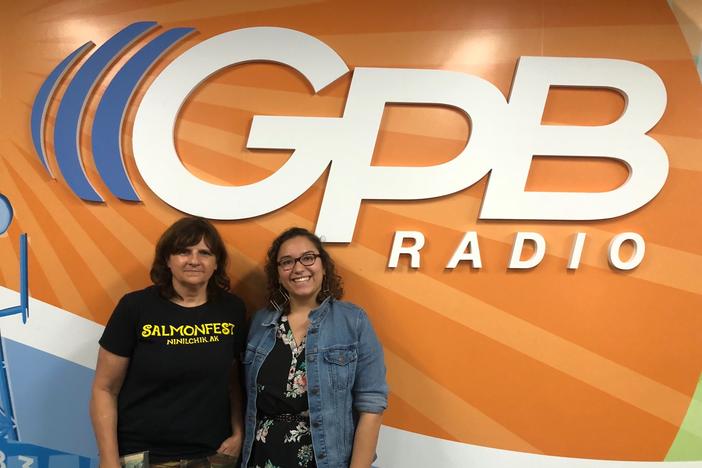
(109, 375)
(110, 464)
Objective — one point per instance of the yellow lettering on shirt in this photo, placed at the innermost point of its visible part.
(209, 332)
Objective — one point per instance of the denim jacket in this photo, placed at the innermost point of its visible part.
(345, 376)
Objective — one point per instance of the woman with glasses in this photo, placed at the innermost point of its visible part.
(166, 380)
(315, 375)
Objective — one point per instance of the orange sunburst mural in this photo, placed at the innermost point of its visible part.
(591, 363)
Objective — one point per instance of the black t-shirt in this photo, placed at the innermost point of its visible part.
(174, 401)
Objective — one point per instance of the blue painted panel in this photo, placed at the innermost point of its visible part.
(50, 397)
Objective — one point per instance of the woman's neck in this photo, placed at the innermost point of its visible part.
(189, 297)
(302, 307)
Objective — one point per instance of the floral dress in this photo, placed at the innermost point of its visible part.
(283, 437)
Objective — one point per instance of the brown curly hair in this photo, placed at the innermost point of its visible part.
(184, 233)
(332, 284)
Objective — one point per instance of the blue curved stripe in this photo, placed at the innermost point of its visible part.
(41, 102)
(70, 112)
(107, 126)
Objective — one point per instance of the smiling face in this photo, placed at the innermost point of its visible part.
(192, 267)
(302, 282)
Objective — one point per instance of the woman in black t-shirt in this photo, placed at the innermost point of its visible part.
(166, 380)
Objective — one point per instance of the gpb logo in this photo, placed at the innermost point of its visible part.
(107, 126)
(505, 135)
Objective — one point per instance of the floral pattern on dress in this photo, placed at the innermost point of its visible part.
(269, 464)
(286, 334)
(305, 455)
(283, 436)
(294, 435)
(297, 375)
(262, 431)
(297, 382)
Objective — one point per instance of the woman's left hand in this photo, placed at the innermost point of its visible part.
(231, 446)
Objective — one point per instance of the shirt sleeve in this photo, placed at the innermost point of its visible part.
(370, 390)
(120, 333)
(240, 328)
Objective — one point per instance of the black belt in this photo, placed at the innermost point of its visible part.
(289, 418)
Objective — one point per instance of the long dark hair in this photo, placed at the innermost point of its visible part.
(184, 233)
(331, 286)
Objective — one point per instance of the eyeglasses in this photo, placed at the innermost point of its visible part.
(306, 259)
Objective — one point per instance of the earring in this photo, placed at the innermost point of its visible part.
(325, 285)
(282, 299)
(324, 293)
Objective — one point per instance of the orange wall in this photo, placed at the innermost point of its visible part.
(592, 363)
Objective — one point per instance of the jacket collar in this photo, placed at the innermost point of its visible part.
(316, 315)
(271, 317)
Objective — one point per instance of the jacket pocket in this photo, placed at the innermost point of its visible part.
(248, 364)
(249, 355)
(341, 363)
